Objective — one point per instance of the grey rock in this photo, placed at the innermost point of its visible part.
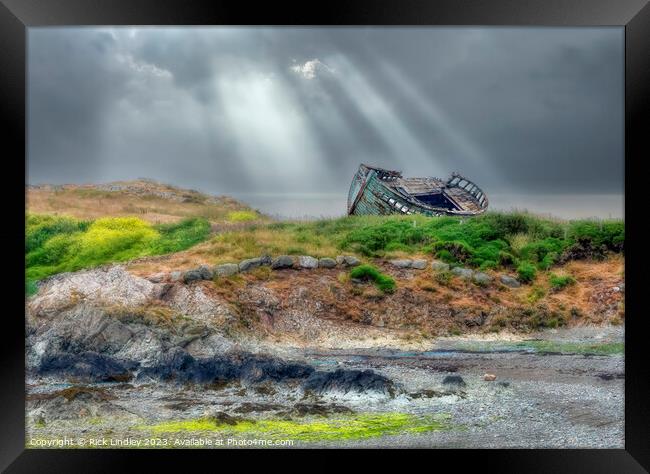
(176, 276)
(482, 278)
(348, 260)
(226, 269)
(157, 278)
(192, 275)
(305, 261)
(439, 266)
(250, 263)
(454, 380)
(402, 263)
(509, 281)
(419, 264)
(283, 261)
(327, 262)
(206, 272)
(352, 261)
(463, 272)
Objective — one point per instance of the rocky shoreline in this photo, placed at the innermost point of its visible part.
(114, 355)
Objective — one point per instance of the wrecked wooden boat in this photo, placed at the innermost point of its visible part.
(380, 191)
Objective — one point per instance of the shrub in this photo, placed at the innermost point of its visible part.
(56, 244)
(384, 282)
(560, 281)
(242, 216)
(526, 271)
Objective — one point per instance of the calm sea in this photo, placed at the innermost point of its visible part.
(568, 206)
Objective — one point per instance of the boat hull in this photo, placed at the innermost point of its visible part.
(375, 191)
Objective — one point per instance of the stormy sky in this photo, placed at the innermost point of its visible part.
(295, 110)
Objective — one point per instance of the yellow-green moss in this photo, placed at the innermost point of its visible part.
(242, 216)
(359, 426)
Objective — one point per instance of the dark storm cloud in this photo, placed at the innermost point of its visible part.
(295, 110)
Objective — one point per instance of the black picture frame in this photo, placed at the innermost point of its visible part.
(634, 15)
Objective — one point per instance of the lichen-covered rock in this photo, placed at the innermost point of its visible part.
(306, 261)
(348, 260)
(226, 269)
(509, 281)
(251, 263)
(111, 285)
(192, 275)
(481, 278)
(419, 264)
(327, 262)
(206, 272)
(464, 273)
(283, 261)
(157, 277)
(439, 266)
(402, 263)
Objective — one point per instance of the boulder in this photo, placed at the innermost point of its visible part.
(465, 273)
(348, 260)
(206, 272)
(157, 278)
(250, 264)
(179, 366)
(454, 381)
(226, 269)
(348, 381)
(87, 367)
(509, 281)
(481, 278)
(283, 261)
(327, 262)
(403, 263)
(176, 276)
(192, 275)
(419, 264)
(306, 261)
(439, 266)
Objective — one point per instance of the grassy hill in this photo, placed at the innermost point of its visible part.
(150, 201)
(74, 227)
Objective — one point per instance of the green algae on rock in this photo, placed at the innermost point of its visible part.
(351, 427)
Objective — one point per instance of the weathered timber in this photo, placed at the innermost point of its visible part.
(379, 191)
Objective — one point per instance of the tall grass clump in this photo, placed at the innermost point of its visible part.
(558, 282)
(384, 283)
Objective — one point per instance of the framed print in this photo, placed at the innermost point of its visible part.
(376, 226)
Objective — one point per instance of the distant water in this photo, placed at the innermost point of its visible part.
(566, 206)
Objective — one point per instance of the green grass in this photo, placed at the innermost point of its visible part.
(608, 348)
(492, 240)
(350, 427)
(517, 241)
(560, 281)
(385, 283)
(61, 244)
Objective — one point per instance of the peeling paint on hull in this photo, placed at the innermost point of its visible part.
(376, 191)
